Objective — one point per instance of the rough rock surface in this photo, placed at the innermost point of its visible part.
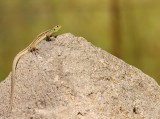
(72, 79)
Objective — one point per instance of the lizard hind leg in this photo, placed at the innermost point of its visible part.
(34, 50)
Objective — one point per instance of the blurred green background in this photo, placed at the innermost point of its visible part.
(129, 29)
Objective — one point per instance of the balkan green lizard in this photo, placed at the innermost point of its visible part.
(32, 47)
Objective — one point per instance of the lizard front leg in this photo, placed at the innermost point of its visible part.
(48, 37)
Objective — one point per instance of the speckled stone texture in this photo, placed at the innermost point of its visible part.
(72, 79)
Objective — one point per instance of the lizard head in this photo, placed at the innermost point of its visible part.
(56, 28)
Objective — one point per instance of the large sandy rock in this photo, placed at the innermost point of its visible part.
(72, 79)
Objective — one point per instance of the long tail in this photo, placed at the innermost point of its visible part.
(13, 76)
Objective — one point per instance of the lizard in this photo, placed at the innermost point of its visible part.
(32, 47)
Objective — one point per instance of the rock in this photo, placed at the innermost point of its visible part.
(72, 79)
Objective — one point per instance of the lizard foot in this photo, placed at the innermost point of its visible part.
(48, 38)
(34, 50)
